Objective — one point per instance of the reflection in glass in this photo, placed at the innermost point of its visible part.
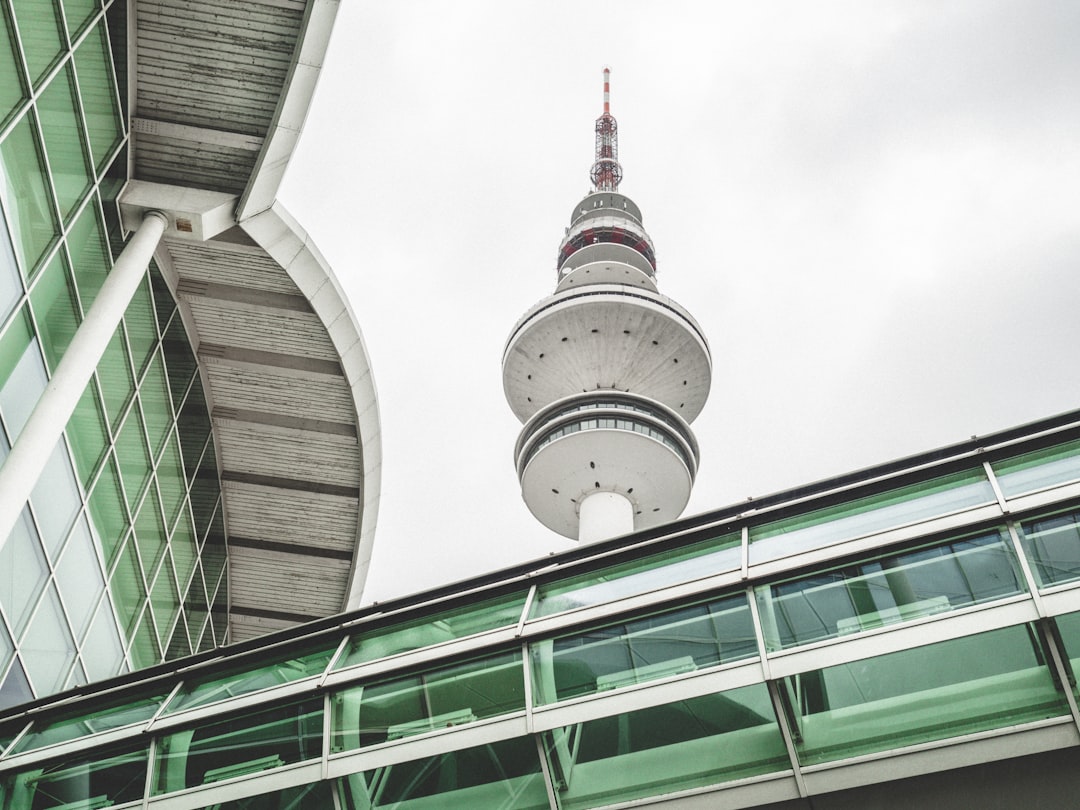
(888, 590)
(239, 745)
(55, 309)
(662, 749)
(25, 195)
(1052, 546)
(101, 106)
(64, 146)
(504, 775)
(451, 696)
(40, 33)
(667, 567)
(105, 715)
(252, 676)
(942, 690)
(641, 650)
(100, 778)
(890, 509)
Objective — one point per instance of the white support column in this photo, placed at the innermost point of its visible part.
(43, 429)
(604, 514)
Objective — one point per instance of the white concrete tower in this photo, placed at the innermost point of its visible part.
(606, 374)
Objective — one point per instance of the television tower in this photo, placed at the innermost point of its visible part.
(606, 374)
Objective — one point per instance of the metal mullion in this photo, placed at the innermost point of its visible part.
(525, 609)
(759, 632)
(8, 9)
(1025, 567)
(324, 756)
(996, 486)
(781, 716)
(545, 770)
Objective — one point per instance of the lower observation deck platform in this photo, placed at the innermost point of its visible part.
(904, 636)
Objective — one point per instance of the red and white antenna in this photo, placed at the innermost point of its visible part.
(606, 172)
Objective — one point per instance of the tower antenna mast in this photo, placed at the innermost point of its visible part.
(606, 172)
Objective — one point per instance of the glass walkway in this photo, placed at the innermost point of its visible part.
(918, 617)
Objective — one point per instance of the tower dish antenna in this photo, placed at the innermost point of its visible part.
(606, 173)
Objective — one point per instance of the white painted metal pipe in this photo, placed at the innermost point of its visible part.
(54, 408)
(602, 515)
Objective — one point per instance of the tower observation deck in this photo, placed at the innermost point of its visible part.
(606, 374)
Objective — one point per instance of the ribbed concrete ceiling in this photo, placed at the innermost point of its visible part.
(287, 410)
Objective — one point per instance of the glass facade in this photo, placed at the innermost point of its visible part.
(98, 575)
(662, 669)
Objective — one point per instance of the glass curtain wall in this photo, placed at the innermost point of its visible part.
(109, 565)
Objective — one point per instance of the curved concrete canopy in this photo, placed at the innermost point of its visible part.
(281, 355)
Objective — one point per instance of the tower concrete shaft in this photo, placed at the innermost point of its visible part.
(606, 374)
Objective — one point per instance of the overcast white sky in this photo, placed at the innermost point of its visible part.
(872, 208)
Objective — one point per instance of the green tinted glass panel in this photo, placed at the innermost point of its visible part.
(892, 589)
(451, 696)
(1039, 469)
(253, 676)
(661, 749)
(100, 778)
(673, 643)
(26, 196)
(10, 281)
(214, 553)
(99, 98)
(150, 533)
(165, 603)
(64, 146)
(82, 722)
(164, 305)
(88, 434)
(42, 37)
(79, 13)
(89, 254)
(504, 775)
(239, 745)
(133, 458)
(154, 398)
(179, 645)
(1052, 546)
(657, 570)
(107, 511)
(179, 360)
(205, 491)
(196, 606)
(117, 385)
(128, 589)
(219, 610)
(170, 476)
(184, 550)
(55, 308)
(869, 514)
(140, 326)
(11, 89)
(453, 623)
(144, 650)
(194, 426)
(13, 345)
(942, 690)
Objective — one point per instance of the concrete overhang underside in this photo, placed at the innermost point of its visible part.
(218, 94)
